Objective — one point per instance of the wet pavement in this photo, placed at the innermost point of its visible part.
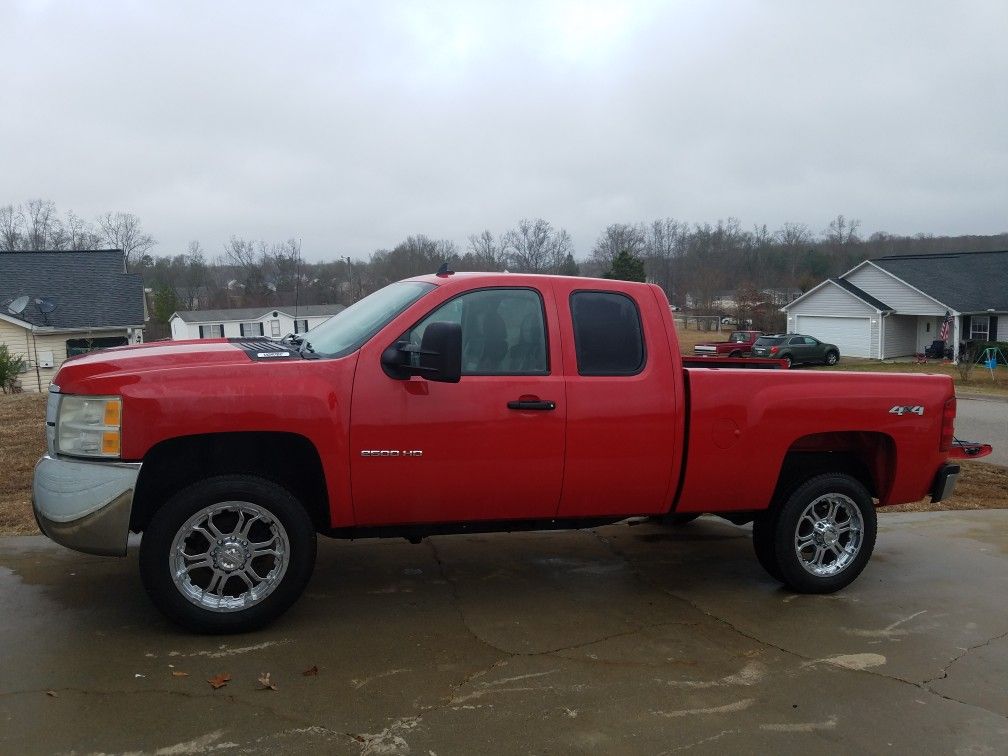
(625, 639)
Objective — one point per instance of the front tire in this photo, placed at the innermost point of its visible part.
(787, 361)
(832, 358)
(228, 554)
(824, 534)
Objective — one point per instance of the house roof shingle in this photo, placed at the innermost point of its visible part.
(254, 313)
(90, 289)
(964, 281)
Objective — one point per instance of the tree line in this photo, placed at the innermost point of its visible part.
(699, 265)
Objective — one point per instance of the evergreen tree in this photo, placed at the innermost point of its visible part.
(626, 267)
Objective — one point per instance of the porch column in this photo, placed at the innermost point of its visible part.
(956, 326)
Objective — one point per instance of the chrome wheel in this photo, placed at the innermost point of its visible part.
(832, 358)
(229, 556)
(829, 535)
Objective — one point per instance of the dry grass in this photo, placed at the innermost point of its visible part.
(22, 442)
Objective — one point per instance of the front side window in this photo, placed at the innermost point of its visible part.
(503, 331)
(980, 328)
(608, 337)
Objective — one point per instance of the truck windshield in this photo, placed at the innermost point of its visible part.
(347, 331)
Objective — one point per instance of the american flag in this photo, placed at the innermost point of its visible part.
(945, 326)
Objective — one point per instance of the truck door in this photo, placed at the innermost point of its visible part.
(489, 447)
(622, 426)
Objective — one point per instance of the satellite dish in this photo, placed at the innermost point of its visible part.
(45, 305)
(17, 306)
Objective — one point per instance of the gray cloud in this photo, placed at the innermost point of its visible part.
(354, 125)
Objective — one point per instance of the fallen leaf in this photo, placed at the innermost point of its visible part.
(176, 673)
(219, 681)
(51, 693)
(264, 680)
(312, 671)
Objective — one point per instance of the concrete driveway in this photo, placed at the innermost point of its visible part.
(628, 639)
(984, 419)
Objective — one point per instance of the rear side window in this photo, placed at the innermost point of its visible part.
(608, 338)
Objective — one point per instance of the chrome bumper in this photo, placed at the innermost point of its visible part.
(85, 505)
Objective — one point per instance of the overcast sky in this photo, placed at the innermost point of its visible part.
(353, 125)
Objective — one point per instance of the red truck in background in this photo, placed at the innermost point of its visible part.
(739, 344)
(467, 402)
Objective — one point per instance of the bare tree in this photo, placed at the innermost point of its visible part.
(534, 246)
(124, 231)
(794, 238)
(619, 237)
(664, 244)
(11, 222)
(842, 232)
(42, 226)
(488, 252)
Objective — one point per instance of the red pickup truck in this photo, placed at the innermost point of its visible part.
(739, 344)
(467, 402)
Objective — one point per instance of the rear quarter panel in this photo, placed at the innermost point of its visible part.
(742, 424)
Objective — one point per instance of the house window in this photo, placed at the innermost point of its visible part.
(83, 346)
(980, 328)
(275, 328)
(300, 326)
(251, 329)
(214, 331)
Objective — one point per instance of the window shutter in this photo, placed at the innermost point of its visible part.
(993, 329)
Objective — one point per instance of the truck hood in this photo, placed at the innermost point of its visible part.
(124, 362)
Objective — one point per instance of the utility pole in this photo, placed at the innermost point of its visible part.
(349, 275)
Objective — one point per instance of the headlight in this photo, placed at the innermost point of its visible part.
(89, 426)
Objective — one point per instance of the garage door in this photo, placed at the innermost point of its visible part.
(851, 335)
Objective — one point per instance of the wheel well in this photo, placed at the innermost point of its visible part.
(288, 459)
(867, 457)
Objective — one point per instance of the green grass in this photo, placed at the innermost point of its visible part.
(979, 382)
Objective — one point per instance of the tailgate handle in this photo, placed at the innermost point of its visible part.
(532, 404)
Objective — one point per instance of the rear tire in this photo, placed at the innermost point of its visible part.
(824, 534)
(228, 554)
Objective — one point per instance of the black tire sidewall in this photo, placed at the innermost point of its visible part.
(832, 358)
(156, 543)
(792, 573)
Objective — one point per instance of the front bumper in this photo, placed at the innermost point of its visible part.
(944, 483)
(85, 505)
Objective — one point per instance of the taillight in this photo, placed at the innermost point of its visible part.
(774, 350)
(948, 425)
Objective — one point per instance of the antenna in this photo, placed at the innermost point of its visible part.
(17, 306)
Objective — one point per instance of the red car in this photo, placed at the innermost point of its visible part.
(467, 402)
(739, 344)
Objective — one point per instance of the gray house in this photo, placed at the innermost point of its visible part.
(894, 306)
(55, 305)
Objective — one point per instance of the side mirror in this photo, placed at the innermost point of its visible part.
(440, 355)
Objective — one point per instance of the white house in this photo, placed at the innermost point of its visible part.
(55, 305)
(894, 306)
(246, 322)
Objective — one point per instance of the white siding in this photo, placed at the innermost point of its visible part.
(232, 328)
(893, 292)
(20, 342)
(831, 300)
(900, 336)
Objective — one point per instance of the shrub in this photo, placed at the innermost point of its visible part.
(10, 367)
